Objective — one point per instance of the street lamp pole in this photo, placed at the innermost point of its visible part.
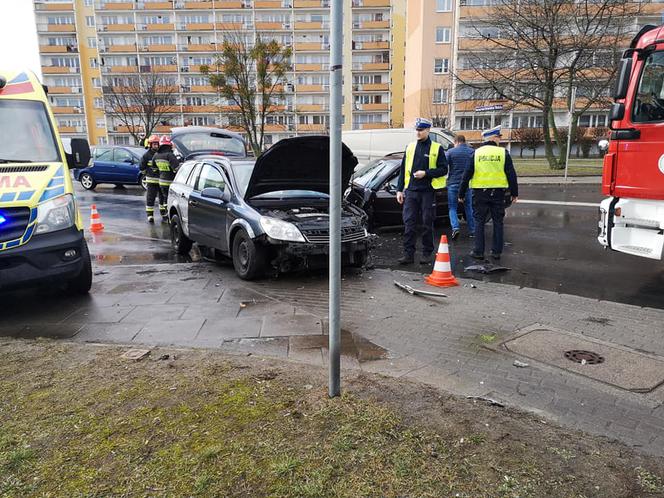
(569, 129)
(334, 313)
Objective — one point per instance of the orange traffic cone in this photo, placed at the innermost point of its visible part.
(95, 220)
(442, 270)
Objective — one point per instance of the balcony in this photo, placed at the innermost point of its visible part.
(202, 89)
(168, 68)
(311, 127)
(58, 49)
(207, 5)
(158, 48)
(371, 126)
(59, 70)
(57, 90)
(371, 87)
(312, 4)
(270, 4)
(276, 127)
(231, 26)
(60, 28)
(66, 110)
(480, 43)
(197, 26)
(158, 5)
(205, 47)
(371, 3)
(371, 24)
(119, 48)
(371, 66)
(312, 88)
(163, 128)
(71, 129)
(311, 107)
(117, 27)
(474, 12)
(372, 45)
(200, 108)
(272, 26)
(158, 27)
(127, 129)
(120, 69)
(228, 4)
(309, 67)
(312, 47)
(311, 26)
(117, 6)
(372, 107)
(51, 6)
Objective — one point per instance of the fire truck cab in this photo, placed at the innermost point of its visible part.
(632, 217)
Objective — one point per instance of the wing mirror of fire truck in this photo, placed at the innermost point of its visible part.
(617, 111)
(603, 145)
(622, 81)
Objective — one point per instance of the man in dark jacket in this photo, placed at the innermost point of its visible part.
(423, 169)
(151, 173)
(490, 174)
(458, 160)
(167, 164)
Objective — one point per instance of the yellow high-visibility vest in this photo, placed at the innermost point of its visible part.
(436, 183)
(489, 168)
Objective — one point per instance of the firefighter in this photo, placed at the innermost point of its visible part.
(167, 164)
(423, 170)
(152, 180)
(490, 174)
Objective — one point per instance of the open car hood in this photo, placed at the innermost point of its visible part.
(299, 163)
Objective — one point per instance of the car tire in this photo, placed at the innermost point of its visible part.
(80, 285)
(87, 181)
(248, 257)
(143, 182)
(180, 243)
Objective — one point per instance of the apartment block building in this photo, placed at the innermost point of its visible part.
(89, 47)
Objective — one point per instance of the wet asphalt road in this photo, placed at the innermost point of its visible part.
(548, 246)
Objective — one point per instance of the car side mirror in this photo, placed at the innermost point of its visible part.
(129, 160)
(390, 188)
(621, 85)
(617, 111)
(216, 194)
(80, 153)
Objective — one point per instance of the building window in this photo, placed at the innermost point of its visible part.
(121, 140)
(89, 20)
(92, 42)
(96, 82)
(102, 141)
(94, 62)
(101, 123)
(443, 35)
(440, 96)
(98, 103)
(88, 3)
(441, 66)
(443, 5)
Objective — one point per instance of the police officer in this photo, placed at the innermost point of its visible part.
(167, 164)
(490, 173)
(151, 173)
(423, 169)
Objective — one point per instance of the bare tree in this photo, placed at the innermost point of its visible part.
(536, 51)
(140, 102)
(250, 78)
(529, 138)
(438, 113)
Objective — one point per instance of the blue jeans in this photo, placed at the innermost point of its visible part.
(452, 202)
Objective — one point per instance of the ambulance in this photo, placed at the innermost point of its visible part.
(41, 230)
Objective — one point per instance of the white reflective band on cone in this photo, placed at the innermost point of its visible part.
(444, 248)
(442, 266)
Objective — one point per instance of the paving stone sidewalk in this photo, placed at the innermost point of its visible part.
(452, 343)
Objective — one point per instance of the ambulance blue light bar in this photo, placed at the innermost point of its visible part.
(3, 220)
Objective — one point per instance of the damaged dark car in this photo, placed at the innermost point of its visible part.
(268, 215)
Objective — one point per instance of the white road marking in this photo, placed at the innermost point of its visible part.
(558, 203)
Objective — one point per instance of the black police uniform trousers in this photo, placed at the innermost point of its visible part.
(418, 206)
(153, 191)
(485, 201)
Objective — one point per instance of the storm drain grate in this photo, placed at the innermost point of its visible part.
(584, 357)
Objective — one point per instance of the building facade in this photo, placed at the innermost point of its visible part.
(89, 48)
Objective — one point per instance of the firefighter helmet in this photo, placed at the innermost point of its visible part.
(164, 140)
(153, 139)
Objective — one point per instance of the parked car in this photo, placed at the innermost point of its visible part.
(118, 165)
(374, 189)
(269, 214)
(369, 145)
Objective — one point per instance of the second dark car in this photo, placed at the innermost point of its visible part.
(374, 189)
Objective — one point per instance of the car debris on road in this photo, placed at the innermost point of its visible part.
(417, 292)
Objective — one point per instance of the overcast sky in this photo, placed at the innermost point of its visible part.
(18, 36)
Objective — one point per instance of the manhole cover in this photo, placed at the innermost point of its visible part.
(584, 357)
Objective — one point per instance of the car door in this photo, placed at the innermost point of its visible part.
(207, 217)
(126, 166)
(102, 169)
(387, 211)
(181, 188)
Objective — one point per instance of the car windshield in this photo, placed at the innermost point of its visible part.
(211, 141)
(26, 132)
(366, 175)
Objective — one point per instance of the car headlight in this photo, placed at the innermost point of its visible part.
(281, 230)
(56, 214)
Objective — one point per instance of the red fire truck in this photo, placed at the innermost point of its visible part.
(632, 218)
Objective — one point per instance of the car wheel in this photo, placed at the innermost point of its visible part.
(81, 284)
(248, 258)
(143, 181)
(87, 181)
(180, 243)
